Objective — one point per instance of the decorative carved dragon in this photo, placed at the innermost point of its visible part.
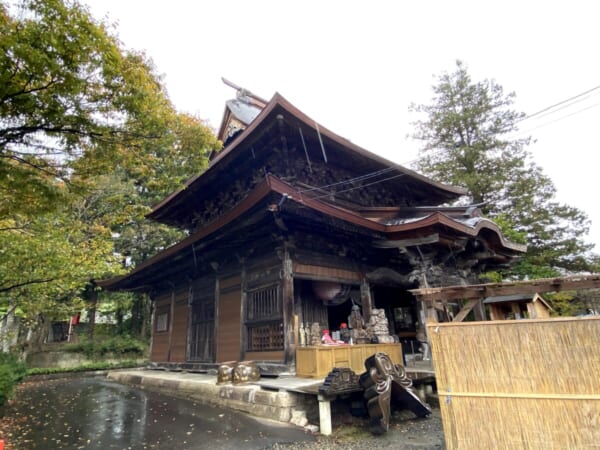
(382, 382)
(340, 381)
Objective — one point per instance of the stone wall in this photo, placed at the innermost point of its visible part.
(65, 360)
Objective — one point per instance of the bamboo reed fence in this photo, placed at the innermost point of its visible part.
(526, 384)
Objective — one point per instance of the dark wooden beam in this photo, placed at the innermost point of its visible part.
(478, 291)
(366, 300)
(465, 310)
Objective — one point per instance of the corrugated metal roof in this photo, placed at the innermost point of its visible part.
(509, 298)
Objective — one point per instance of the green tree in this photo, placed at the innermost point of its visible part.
(46, 261)
(89, 140)
(466, 133)
(61, 89)
(68, 89)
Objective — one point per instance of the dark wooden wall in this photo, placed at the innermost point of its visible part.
(230, 324)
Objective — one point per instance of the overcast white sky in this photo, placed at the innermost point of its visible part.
(355, 66)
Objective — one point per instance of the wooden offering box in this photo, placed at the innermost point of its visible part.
(318, 361)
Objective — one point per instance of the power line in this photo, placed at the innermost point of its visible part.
(555, 120)
(350, 180)
(548, 110)
(566, 105)
(560, 103)
(358, 187)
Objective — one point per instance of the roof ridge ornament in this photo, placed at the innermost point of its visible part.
(245, 94)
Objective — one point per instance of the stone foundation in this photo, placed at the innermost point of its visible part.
(279, 405)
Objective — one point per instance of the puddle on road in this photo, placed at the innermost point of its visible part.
(93, 413)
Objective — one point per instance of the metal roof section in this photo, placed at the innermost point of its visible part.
(403, 220)
(509, 298)
(243, 110)
(528, 297)
(238, 114)
(416, 214)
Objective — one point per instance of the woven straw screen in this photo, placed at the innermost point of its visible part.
(519, 384)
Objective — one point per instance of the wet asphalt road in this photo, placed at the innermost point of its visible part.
(99, 414)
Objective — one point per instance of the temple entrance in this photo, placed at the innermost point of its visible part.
(400, 308)
(338, 314)
(327, 303)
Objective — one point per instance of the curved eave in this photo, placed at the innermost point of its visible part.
(259, 193)
(279, 102)
(429, 221)
(272, 184)
(442, 219)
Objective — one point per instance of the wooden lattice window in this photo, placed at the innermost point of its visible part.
(264, 319)
(161, 319)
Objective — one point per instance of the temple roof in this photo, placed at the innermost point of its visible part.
(273, 196)
(248, 204)
(280, 116)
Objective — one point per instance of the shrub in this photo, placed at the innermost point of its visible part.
(117, 345)
(11, 372)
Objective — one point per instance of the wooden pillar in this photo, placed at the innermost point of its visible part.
(288, 310)
(496, 313)
(190, 315)
(216, 318)
(243, 329)
(479, 311)
(171, 321)
(92, 312)
(365, 296)
(430, 311)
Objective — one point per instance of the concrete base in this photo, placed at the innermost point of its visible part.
(278, 405)
(325, 415)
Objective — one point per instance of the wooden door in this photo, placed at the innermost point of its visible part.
(202, 335)
(228, 321)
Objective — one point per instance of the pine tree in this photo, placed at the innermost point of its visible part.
(467, 143)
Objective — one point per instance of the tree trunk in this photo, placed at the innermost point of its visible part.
(146, 324)
(137, 315)
(93, 304)
(9, 331)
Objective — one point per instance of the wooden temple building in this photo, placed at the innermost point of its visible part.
(291, 226)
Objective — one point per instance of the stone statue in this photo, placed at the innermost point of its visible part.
(357, 325)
